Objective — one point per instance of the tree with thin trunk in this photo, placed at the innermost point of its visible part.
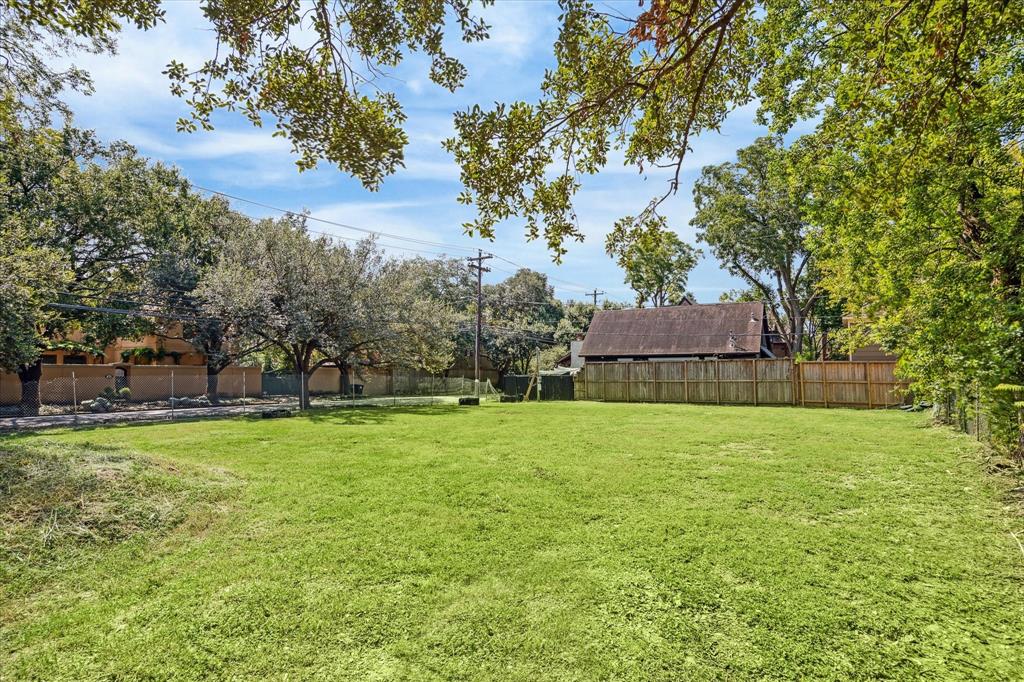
(172, 281)
(656, 261)
(752, 214)
(324, 303)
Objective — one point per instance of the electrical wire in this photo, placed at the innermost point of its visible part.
(424, 242)
(308, 216)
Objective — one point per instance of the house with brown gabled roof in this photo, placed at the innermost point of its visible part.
(710, 330)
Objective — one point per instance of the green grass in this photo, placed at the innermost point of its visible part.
(554, 541)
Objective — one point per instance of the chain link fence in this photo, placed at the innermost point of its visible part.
(328, 387)
(103, 390)
(965, 412)
(987, 418)
(88, 392)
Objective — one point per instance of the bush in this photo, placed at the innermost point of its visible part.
(125, 393)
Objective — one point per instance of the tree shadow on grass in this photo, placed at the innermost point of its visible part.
(372, 414)
(339, 415)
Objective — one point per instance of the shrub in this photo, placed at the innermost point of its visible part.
(125, 393)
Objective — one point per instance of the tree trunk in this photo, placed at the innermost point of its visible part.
(30, 377)
(345, 384)
(212, 381)
(303, 390)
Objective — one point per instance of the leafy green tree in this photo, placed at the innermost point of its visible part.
(656, 261)
(91, 215)
(33, 276)
(576, 319)
(173, 276)
(324, 303)
(752, 213)
(740, 295)
(521, 314)
(928, 271)
(449, 282)
(316, 69)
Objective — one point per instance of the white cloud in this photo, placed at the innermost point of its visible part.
(515, 28)
(405, 218)
(132, 102)
(419, 168)
(218, 144)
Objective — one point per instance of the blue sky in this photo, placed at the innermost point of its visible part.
(132, 102)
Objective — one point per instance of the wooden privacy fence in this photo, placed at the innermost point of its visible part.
(743, 382)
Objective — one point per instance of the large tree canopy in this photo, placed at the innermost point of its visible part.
(753, 215)
(318, 70)
(645, 83)
(521, 314)
(32, 278)
(324, 303)
(81, 222)
(172, 282)
(656, 261)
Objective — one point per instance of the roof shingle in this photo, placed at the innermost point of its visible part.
(703, 329)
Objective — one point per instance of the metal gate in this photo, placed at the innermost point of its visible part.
(556, 387)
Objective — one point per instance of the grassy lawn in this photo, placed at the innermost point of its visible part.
(555, 541)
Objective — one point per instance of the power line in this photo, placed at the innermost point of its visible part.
(571, 285)
(425, 242)
(334, 223)
(128, 312)
(134, 301)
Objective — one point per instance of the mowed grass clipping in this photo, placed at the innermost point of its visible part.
(554, 541)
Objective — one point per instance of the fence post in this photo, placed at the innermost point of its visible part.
(867, 378)
(686, 382)
(172, 394)
(800, 376)
(538, 375)
(627, 380)
(243, 390)
(754, 365)
(718, 385)
(977, 411)
(74, 395)
(431, 389)
(654, 375)
(824, 382)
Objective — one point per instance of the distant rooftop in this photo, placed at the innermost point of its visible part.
(700, 329)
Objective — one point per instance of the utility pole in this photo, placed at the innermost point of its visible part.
(537, 374)
(477, 264)
(595, 293)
